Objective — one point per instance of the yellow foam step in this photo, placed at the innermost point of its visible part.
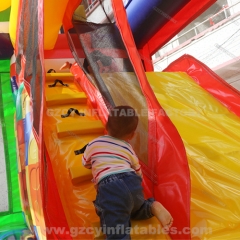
(66, 98)
(78, 173)
(65, 129)
(51, 77)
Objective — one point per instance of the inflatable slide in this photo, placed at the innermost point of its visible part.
(210, 132)
(187, 139)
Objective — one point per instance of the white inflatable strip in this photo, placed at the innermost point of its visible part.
(3, 177)
(4, 27)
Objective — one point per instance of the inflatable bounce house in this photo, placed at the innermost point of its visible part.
(187, 140)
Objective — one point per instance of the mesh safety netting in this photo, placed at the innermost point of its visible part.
(108, 67)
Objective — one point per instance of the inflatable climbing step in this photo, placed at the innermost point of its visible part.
(60, 89)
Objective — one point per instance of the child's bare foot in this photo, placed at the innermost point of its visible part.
(162, 214)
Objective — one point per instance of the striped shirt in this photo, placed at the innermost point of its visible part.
(107, 155)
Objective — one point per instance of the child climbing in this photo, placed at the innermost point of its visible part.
(118, 177)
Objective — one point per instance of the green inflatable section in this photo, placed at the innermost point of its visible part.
(12, 222)
(4, 15)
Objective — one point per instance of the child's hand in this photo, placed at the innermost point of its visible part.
(139, 173)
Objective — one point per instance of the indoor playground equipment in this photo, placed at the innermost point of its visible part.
(187, 139)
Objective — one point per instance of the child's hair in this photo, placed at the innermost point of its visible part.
(122, 120)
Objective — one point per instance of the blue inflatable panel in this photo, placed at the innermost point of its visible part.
(147, 17)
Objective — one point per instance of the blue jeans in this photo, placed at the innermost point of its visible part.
(119, 199)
